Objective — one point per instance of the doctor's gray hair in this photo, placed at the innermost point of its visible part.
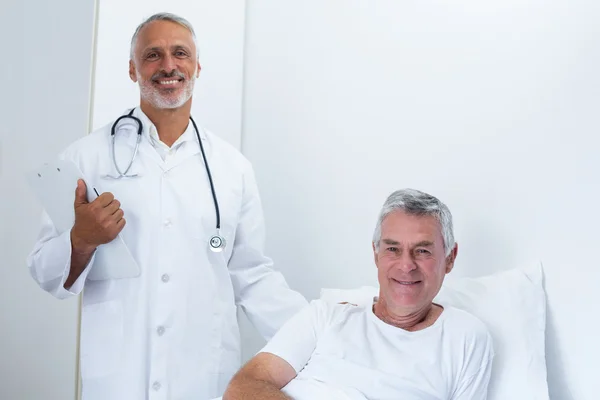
(414, 202)
(164, 16)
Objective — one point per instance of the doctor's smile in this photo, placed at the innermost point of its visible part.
(172, 80)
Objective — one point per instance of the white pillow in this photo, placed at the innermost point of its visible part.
(513, 306)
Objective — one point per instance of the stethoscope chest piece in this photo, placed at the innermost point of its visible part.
(217, 243)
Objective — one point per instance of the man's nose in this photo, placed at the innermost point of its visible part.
(169, 64)
(406, 263)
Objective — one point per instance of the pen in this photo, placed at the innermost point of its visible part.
(96, 192)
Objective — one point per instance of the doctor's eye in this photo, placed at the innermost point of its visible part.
(151, 56)
(392, 249)
(422, 252)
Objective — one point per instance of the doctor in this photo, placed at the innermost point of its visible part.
(170, 333)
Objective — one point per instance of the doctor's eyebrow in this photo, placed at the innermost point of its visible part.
(161, 49)
(390, 242)
(152, 50)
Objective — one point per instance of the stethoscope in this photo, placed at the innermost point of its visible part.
(216, 242)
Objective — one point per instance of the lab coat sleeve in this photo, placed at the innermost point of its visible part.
(261, 291)
(50, 261)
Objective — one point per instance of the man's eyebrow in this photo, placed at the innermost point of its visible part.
(424, 243)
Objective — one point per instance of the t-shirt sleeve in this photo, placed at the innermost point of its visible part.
(297, 339)
(474, 383)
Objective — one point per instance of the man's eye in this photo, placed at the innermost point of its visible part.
(392, 249)
(181, 54)
(152, 55)
(423, 251)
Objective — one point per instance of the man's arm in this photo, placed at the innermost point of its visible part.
(474, 385)
(261, 378)
(261, 291)
(81, 255)
(282, 358)
(60, 262)
(50, 260)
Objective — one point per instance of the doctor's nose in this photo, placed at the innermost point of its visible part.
(169, 64)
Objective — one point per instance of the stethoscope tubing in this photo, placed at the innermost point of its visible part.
(216, 242)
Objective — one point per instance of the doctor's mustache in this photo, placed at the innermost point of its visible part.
(164, 74)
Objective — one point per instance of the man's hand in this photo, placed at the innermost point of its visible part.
(96, 223)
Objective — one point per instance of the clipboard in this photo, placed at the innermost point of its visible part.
(54, 184)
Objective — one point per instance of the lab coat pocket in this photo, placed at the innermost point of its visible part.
(101, 339)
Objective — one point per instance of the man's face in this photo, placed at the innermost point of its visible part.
(411, 262)
(165, 64)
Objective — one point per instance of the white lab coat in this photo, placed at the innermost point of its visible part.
(172, 332)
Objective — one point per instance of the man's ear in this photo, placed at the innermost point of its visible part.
(451, 258)
(132, 72)
(375, 255)
(198, 70)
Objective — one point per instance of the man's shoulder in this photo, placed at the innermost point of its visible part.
(467, 333)
(227, 150)
(86, 144)
(332, 311)
(468, 342)
(465, 324)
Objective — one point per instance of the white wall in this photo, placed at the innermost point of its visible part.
(219, 27)
(44, 107)
(491, 106)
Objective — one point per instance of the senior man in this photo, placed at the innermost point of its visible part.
(403, 347)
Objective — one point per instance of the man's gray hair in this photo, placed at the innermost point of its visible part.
(164, 16)
(414, 202)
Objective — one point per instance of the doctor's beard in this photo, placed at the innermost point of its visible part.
(161, 100)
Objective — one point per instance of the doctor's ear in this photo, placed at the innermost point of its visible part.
(132, 73)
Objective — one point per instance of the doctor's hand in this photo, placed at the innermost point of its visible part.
(97, 222)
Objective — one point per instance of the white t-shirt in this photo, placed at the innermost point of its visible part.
(347, 352)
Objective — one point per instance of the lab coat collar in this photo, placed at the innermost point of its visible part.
(158, 149)
(150, 132)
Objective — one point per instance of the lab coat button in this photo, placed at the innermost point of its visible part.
(160, 330)
(165, 278)
(156, 386)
